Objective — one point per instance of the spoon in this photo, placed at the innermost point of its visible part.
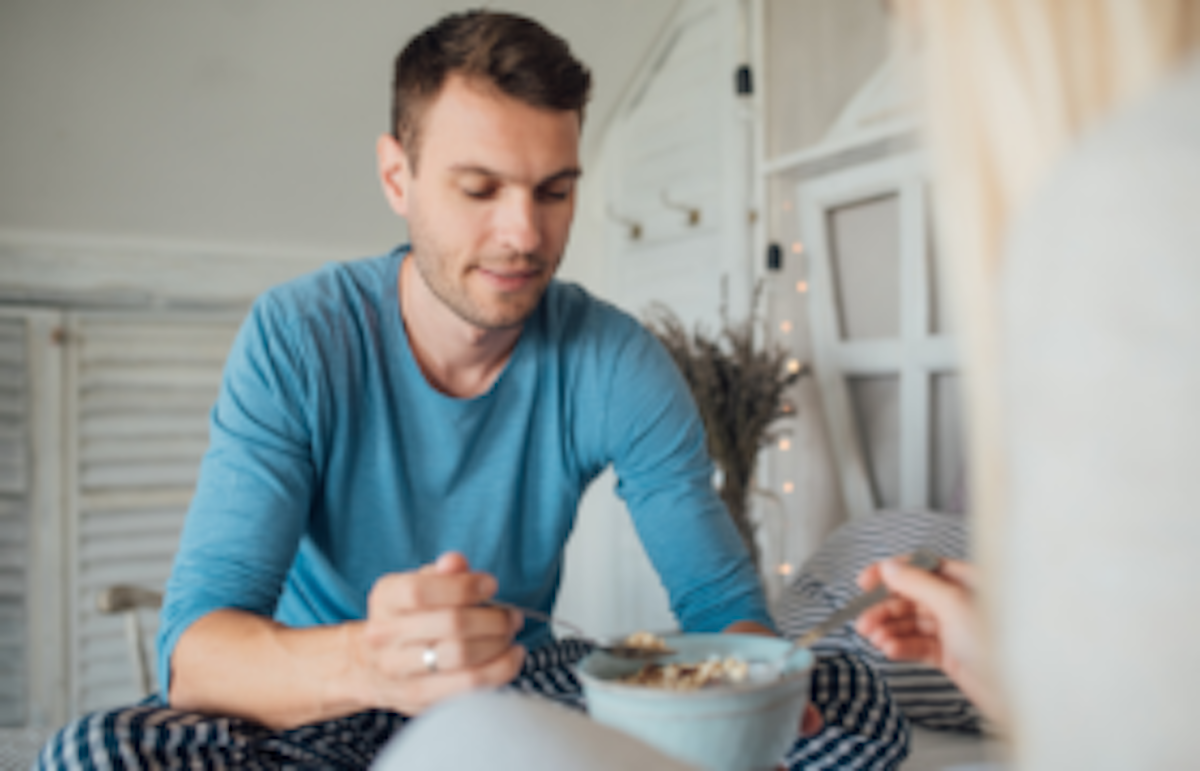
(621, 650)
(921, 558)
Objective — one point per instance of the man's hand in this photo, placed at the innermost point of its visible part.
(427, 637)
(931, 618)
(239, 663)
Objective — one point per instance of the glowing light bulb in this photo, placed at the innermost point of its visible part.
(793, 366)
(785, 327)
(797, 247)
(785, 569)
(788, 487)
(786, 206)
(801, 286)
(785, 444)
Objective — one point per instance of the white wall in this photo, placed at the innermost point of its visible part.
(248, 124)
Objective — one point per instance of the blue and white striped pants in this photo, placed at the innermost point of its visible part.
(863, 728)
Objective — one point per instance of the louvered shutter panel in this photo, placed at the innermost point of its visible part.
(143, 387)
(14, 521)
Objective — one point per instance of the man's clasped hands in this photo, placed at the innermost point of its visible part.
(428, 636)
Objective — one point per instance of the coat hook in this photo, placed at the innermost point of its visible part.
(635, 228)
(693, 213)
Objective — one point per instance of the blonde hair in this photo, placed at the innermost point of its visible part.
(1008, 86)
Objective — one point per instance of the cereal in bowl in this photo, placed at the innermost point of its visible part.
(646, 641)
(691, 676)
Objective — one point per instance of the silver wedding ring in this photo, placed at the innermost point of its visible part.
(429, 659)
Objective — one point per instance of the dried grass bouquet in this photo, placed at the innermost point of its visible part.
(741, 388)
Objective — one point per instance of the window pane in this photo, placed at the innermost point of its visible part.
(940, 321)
(947, 457)
(865, 255)
(876, 405)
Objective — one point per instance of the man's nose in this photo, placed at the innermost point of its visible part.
(520, 225)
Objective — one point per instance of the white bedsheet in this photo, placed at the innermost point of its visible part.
(949, 751)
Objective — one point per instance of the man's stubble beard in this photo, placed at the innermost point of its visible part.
(431, 263)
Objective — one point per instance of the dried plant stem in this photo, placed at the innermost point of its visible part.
(740, 388)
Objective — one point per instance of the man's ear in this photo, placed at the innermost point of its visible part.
(395, 174)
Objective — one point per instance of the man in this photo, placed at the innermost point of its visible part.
(452, 400)
(400, 440)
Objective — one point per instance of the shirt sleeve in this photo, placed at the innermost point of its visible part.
(657, 444)
(255, 484)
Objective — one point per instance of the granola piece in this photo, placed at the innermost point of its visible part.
(691, 676)
(646, 641)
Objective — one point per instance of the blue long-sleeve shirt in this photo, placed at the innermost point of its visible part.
(332, 462)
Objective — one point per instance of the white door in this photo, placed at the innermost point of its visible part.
(883, 356)
(676, 166)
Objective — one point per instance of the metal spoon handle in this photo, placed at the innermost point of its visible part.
(849, 612)
(618, 649)
(540, 616)
(922, 558)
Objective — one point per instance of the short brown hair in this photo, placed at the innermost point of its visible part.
(513, 54)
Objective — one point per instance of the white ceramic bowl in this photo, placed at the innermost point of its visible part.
(750, 725)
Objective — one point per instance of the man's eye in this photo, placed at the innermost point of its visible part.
(554, 195)
(480, 193)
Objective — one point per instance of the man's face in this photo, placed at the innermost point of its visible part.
(489, 208)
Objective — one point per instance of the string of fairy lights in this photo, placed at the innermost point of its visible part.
(786, 327)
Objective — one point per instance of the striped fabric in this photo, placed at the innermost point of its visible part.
(827, 581)
(863, 727)
(863, 730)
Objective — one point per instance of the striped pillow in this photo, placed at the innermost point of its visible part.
(827, 581)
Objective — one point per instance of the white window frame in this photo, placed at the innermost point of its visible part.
(916, 356)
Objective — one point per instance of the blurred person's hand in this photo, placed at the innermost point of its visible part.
(930, 618)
